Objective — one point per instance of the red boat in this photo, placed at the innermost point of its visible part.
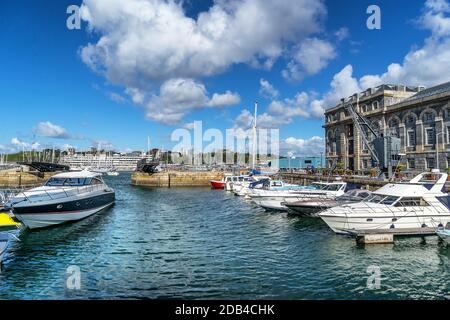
(217, 184)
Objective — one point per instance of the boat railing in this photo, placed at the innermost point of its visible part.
(60, 193)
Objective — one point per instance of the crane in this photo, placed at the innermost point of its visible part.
(383, 148)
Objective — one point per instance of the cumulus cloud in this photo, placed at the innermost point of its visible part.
(50, 130)
(311, 56)
(179, 96)
(313, 146)
(306, 105)
(267, 90)
(145, 44)
(426, 65)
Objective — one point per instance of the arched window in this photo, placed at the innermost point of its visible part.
(375, 105)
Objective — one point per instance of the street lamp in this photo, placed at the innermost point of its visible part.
(437, 148)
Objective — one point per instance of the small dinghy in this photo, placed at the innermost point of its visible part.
(444, 233)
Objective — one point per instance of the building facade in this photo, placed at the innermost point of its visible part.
(120, 161)
(419, 117)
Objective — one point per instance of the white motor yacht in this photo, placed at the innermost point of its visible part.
(275, 199)
(64, 197)
(419, 203)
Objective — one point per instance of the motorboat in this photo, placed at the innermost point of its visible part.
(220, 184)
(244, 188)
(65, 197)
(275, 199)
(444, 233)
(310, 207)
(237, 181)
(411, 206)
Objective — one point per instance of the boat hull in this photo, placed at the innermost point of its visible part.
(271, 204)
(46, 215)
(217, 184)
(344, 224)
(304, 210)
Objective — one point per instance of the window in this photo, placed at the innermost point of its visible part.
(428, 116)
(389, 200)
(375, 105)
(411, 202)
(376, 198)
(410, 120)
(430, 163)
(55, 182)
(411, 138)
(95, 181)
(448, 134)
(429, 135)
(411, 163)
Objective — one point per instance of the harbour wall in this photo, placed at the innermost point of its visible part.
(14, 179)
(175, 179)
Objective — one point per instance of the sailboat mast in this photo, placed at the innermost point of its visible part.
(254, 137)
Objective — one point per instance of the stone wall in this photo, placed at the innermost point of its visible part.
(14, 179)
(175, 179)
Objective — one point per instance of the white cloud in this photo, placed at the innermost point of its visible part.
(16, 142)
(144, 44)
(426, 65)
(48, 129)
(179, 96)
(267, 90)
(103, 145)
(306, 105)
(313, 146)
(342, 34)
(117, 98)
(311, 56)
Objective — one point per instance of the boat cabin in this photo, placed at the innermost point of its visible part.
(75, 179)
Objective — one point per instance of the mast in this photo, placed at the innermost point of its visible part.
(254, 137)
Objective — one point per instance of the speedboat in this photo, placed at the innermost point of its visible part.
(244, 188)
(65, 197)
(310, 207)
(419, 203)
(444, 233)
(275, 199)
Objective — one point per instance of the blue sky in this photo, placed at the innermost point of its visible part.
(56, 90)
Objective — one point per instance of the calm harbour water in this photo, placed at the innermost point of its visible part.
(197, 243)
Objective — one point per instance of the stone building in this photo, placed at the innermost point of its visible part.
(419, 117)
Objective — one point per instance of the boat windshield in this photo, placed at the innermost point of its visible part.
(382, 199)
(68, 182)
(332, 187)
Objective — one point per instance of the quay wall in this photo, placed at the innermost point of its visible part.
(14, 179)
(175, 179)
